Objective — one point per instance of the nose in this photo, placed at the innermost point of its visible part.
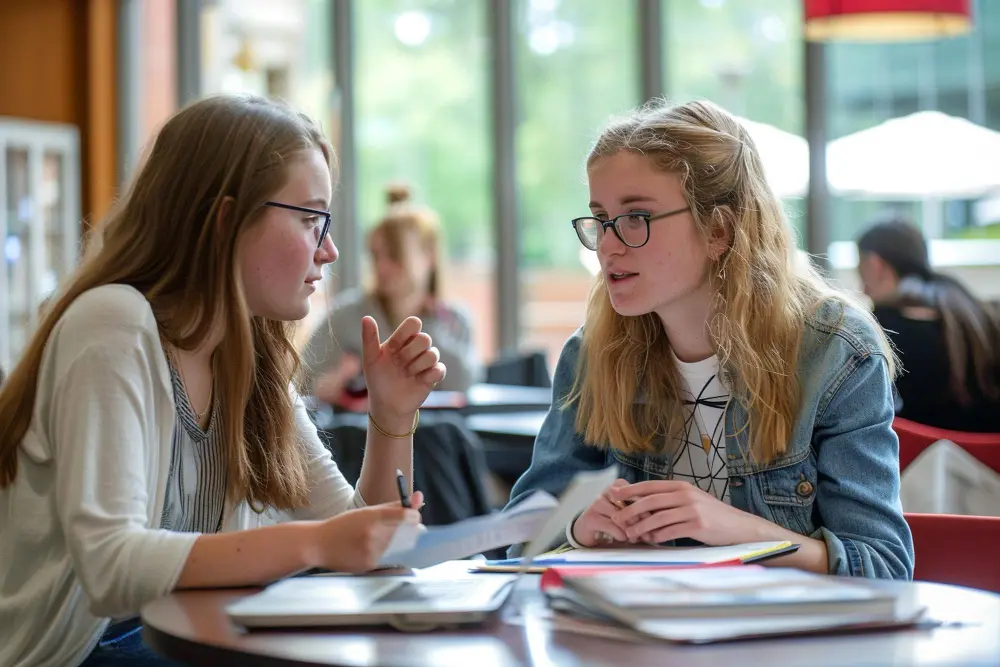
(610, 244)
(327, 252)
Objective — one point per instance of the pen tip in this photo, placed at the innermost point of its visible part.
(399, 472)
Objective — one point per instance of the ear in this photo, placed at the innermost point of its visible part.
(720, 232)
(224, 215)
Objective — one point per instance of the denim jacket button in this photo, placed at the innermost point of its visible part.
(804, 488)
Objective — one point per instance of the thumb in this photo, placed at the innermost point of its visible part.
(370, 343)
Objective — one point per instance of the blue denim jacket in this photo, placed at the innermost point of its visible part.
(838, 480)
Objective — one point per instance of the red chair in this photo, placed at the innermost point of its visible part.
(958, 550)
(915, 438)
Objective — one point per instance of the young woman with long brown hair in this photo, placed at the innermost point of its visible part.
(741, 398)
(149, 438)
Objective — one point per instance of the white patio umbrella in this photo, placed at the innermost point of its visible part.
(927, 154)
(785, 157)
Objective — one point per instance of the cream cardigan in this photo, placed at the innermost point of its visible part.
(79, 529)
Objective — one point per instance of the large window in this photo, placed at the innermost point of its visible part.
(747, 56)
(276, 49)
(422, 119)
(269, 48)
(576, 64)
(871, 83)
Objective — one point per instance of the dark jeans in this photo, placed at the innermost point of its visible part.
(122, 646)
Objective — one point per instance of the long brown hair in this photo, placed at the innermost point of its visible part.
(627, 385)
(174, 237)
(971, 328)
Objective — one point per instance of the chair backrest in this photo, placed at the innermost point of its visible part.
(529, 369)
(915, 438)
(449, 465)
(958, 550)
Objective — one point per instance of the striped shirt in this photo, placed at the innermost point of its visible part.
(196, 490)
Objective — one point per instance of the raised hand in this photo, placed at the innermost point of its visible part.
(400, 372)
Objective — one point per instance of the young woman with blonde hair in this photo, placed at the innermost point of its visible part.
(149, 439)
(742, 399)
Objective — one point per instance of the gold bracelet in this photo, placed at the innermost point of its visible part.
(416, 420)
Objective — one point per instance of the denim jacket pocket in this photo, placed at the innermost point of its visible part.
(642, 467)
(786, 492)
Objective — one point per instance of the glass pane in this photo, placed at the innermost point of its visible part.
(270, 48)
(869, 84)
(19, 214)
(423, 120)
(747, 55)
(576, 66)
(52, 203)
(278, 49)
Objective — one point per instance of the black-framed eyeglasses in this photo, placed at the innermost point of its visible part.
(632, 229)
(320, 231)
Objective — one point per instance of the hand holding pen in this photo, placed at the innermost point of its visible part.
(416, 500)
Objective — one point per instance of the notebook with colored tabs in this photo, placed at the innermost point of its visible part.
(566, 557)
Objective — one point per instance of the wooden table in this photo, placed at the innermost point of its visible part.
(192, 626)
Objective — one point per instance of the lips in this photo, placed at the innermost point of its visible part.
(619, 276)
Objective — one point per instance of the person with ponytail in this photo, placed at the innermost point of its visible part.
(405, 251)
(740, 397)
(948, 341)
(150, 438)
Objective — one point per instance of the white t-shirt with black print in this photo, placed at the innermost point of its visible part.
(701, 458)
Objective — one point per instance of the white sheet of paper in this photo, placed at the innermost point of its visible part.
(419, 546)
(577, 497)
(539, 519)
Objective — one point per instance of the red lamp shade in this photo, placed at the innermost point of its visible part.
(885, 20)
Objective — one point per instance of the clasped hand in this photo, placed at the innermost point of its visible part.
(659, 511)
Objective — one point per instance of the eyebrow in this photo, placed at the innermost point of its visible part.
(627, 199)
(316, 203)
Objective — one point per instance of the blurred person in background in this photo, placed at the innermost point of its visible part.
(947, 340)
(406, 258)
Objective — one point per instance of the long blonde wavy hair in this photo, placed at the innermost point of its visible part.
(171, 238)
(627, 386)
